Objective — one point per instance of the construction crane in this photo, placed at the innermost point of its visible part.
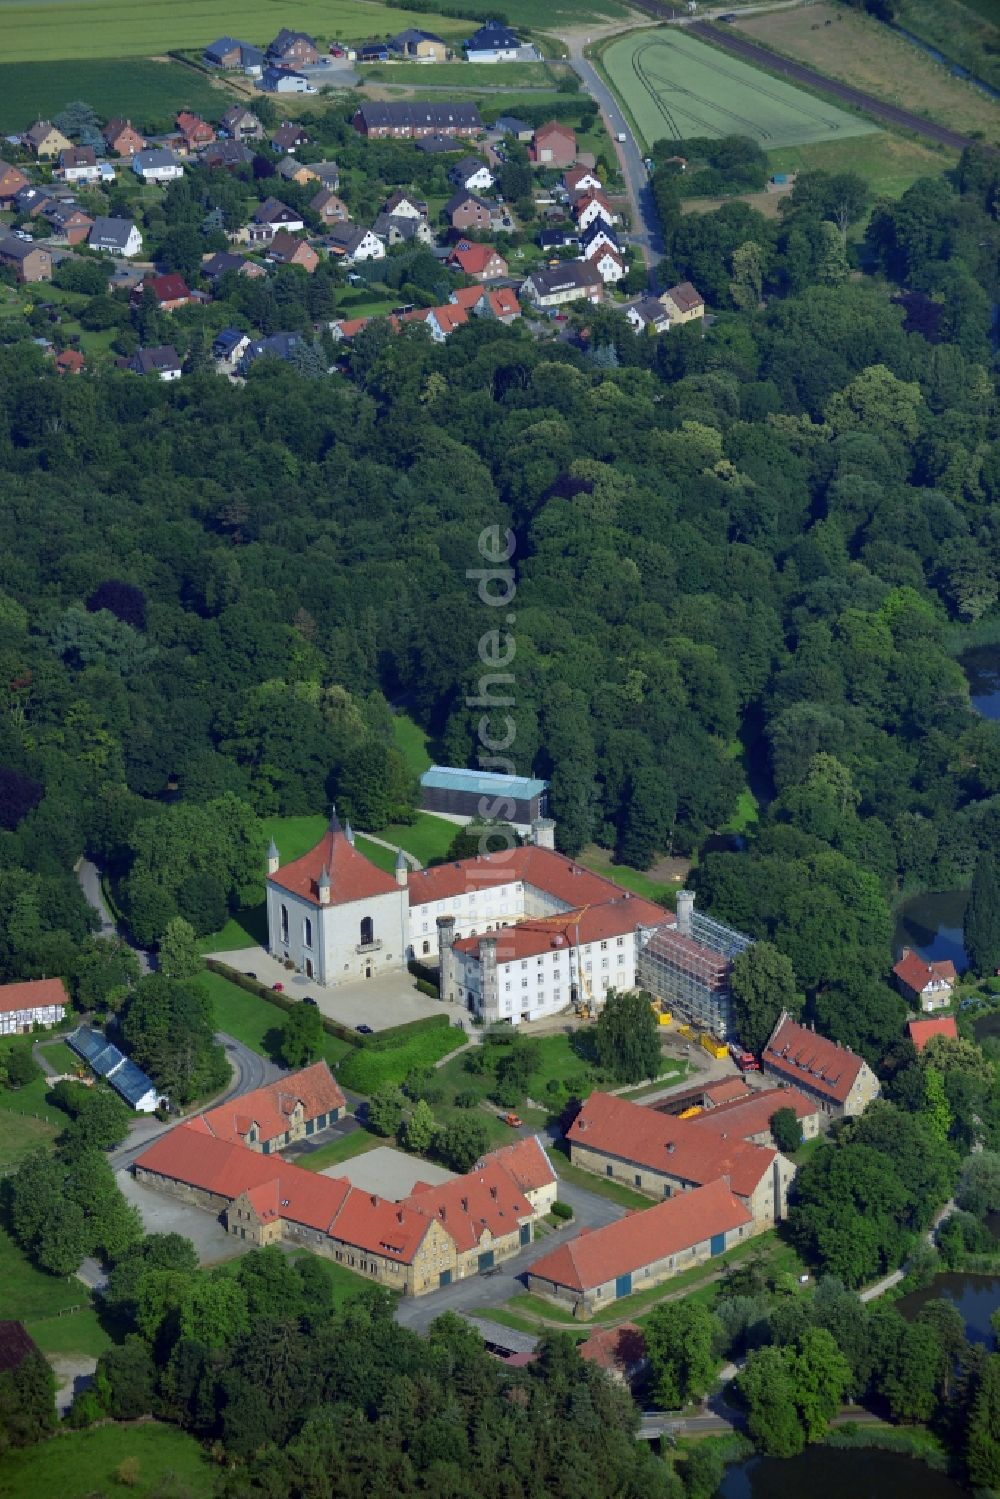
(583, 1004)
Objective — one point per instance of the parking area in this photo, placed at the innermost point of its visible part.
(390, 1173)
(387, 999)
(163, 1214)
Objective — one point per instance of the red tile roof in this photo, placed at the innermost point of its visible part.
(168, 288)
(921, 1031)
(621, 1347)
(305, 1197)
(525, 1161)
(725, 1089)
(553, 127)
(596, 923)
(475, 259)
(70, 361)
(744, 1117)
(504, 302)
(192, 1155)
(917, 974)
(33, 994)
(595, 1258)
(468, 296)
(542, 868)
(270, 1107)
(487, 1198)
(801, 1056)
(352, 876)
(676, 1147)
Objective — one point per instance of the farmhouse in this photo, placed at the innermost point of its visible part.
(640, 1251)
(661, 1156)
(928, 985)
(30, 262)
(834, 1077)
(34, 1002)
(380, 120)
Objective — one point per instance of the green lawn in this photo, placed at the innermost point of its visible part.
(32, 1098)
(411, 741)
(601, 861)
(27, 1294)
(254, 1021)
(427, 837)
(75, 1333)
(603, 1186)
(148, 92)
(246, 929)
(370, 1068)
(889, 163)
(344, 1283)
(84, 1464)
(19, 1136)
(295, 836)
(675, 86)
(114, 28)
(358, 1142)
(462, 75)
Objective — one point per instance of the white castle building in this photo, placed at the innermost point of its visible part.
(519, 934)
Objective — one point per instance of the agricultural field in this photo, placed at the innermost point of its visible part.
(888, 163)
(144, 1461)
(65, 29)
(675, 86)
(148, 92)
(463, 75)
(966, 30)
(855, 48)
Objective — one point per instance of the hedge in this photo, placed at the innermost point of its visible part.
(561, 1210)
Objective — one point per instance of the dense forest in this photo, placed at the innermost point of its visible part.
(743, 543)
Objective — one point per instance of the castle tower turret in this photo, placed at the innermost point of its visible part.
(402, 870)
(447, 981)
(273, 857)
(685, 909)
(323, 886)
(543, 832)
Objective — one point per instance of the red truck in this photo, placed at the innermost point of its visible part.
(745, 1060)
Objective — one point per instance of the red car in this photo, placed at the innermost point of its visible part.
(277, 987)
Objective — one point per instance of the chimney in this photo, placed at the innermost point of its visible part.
(273, 857)
(402, 870)
(685, 910)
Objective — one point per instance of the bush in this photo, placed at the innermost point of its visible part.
(431, 990)
(467, 1099)
(562, 1210)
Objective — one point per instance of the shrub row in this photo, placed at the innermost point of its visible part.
(561, 1210)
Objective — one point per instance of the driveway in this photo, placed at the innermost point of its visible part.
(163, 1214)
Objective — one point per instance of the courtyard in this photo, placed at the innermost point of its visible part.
(162, 1213)
(389, 1173)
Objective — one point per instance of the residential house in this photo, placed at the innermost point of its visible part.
(157, 165)
(834, 1076)
(559, 238)
(214, 266)
(293, 49)
(922, 1031)
(555, 286)
(926, 984)
(493, 42)
(70, 362)
(68, 221)
(290, 170)
(330, 208)
(593, 208)
(284, 81)
(227, 155)
(31, 262)
(122, 137)
(229, 346)
(275, 345)
(599, 235)
(419, 46)
(472, 174)
(435, 145)
(326, 172)
(232, 56)
(580, 180)
(270, 216)
(440, 322)
(481, 262)
(640, 1251)
(31, 200)
(289, 137)
(39, 1002)
(169, 290)
(663, 1156)
(45, 142)
(163, 361)
(196, 132)
(553, 145)
(353, 242)
(608, 263)
(12, 180)
(373, 51)
(79, 164)
(648, 316)
(402, 230)
(380, 120)
(115, 237)
(401, 205)
(521, 130)
(683, 303)
(286, 249)
(241, 124)
(467, 211)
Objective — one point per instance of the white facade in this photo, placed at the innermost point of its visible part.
(595, 209)
(20, 1022)
(607, 264)
(156, 170)
(544, 983)
(494, 54)
(84, 173)
(369, 247)
(335, 944)
(478, 181)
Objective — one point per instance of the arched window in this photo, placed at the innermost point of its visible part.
(284, 923)
(367, 930)
(307, 931)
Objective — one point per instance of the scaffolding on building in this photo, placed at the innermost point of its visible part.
(687, 966)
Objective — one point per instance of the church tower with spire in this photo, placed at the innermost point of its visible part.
(334, 914)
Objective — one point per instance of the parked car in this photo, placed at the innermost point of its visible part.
(249, 975)
(364, 1030)
(308, 1000)
(514, 1120)
(277, 988)
(493, 1270)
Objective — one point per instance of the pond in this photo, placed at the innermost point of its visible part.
(977, 1297)
(833, 1472)
(982, 670)
(932, 925)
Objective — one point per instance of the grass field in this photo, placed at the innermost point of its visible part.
(889, 163)
(370, 1068)
(344, 1283)
(166, 1461)
(462, 75)
(27, 1294)
(76, 1333)
(859, 50)
(601, 860)
(147, 92)
(411, 741)
(675, 86)
(358, 1142)
(966, 30)
(255, 1022)
(114, 28)
(19, 1136)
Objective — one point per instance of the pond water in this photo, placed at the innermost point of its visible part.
(932, 924)
(833, 1472)
(976, 1296)
(982, 669)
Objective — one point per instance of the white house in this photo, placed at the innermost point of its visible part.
(115, 237)
(285, 81)
(555, 286)
(156, 166)
(493, 43)
(472, 174)
(607, 262)
(35, 1002)
(354, 243)
(79, 164)
(590, 209)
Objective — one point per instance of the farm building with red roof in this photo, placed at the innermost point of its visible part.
(836, 1078)
(34, 1002)
(922, 983)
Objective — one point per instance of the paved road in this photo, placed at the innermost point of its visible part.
(731, 40)
(479, 1292)
(89, 877)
